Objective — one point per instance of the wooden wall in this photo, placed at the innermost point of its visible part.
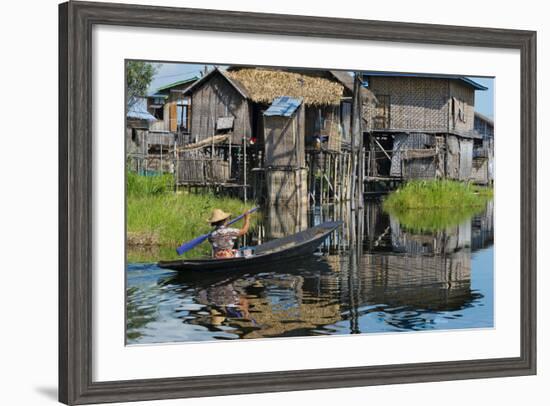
(197, 167)
(410, 165)
(461, 98)
(480, 170)
(284, 140)
(458, 158)
(345, 114)
(483, 128)
(466, 154)
(217, 98)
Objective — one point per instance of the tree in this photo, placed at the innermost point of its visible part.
(138, 78)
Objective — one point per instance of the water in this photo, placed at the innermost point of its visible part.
(390, 279)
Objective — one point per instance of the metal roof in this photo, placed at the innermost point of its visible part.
(463, 79)
(178, 83)
(158, 96)
(482, 117)
(138, 111)
(283, 106)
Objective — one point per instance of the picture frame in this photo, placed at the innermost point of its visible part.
(76, 20)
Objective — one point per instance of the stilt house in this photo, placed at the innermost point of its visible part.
(138, 123)
(228, 124)
(482, 163)
(420, 126)
(172, 110)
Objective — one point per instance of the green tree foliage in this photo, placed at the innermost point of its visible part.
(138, 78)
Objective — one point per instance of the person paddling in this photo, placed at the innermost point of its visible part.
(223, 237)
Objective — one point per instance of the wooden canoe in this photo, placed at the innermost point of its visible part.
(276, 251)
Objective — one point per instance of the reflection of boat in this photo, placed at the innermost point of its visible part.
(283, 249)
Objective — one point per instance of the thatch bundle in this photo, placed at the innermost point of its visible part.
(264, 85)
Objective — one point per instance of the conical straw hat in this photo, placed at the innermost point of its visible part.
(218, 215)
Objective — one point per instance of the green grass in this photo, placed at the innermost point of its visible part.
(437, 204)
(138, 185)
(159, 220)
(438, 194)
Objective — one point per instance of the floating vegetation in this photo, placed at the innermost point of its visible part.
(436, 205)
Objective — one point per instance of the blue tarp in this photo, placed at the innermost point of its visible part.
(283, 106)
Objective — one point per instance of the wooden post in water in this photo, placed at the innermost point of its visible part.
(358, 109)
(356, 145)
(244, 168)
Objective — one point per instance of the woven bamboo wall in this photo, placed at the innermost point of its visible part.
(415, 103)
(217, 98)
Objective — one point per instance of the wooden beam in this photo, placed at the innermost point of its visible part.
(380, 146)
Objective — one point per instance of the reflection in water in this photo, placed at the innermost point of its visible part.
(390, 279)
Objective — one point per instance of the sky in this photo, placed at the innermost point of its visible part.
(172, 72)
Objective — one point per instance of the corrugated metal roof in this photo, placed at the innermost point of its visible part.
(138, 111)
(463, 79)
(484, 118)
(158, 96)
(178, 83)
(283, 106)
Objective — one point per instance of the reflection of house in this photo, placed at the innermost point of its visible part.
(482, 164)
(283, 221)
(482, 228)
(424, 272)
(281, 304)
(436, 282)
(420, 126)
(420, 270)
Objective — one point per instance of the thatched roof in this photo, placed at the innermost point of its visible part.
(264, 85)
